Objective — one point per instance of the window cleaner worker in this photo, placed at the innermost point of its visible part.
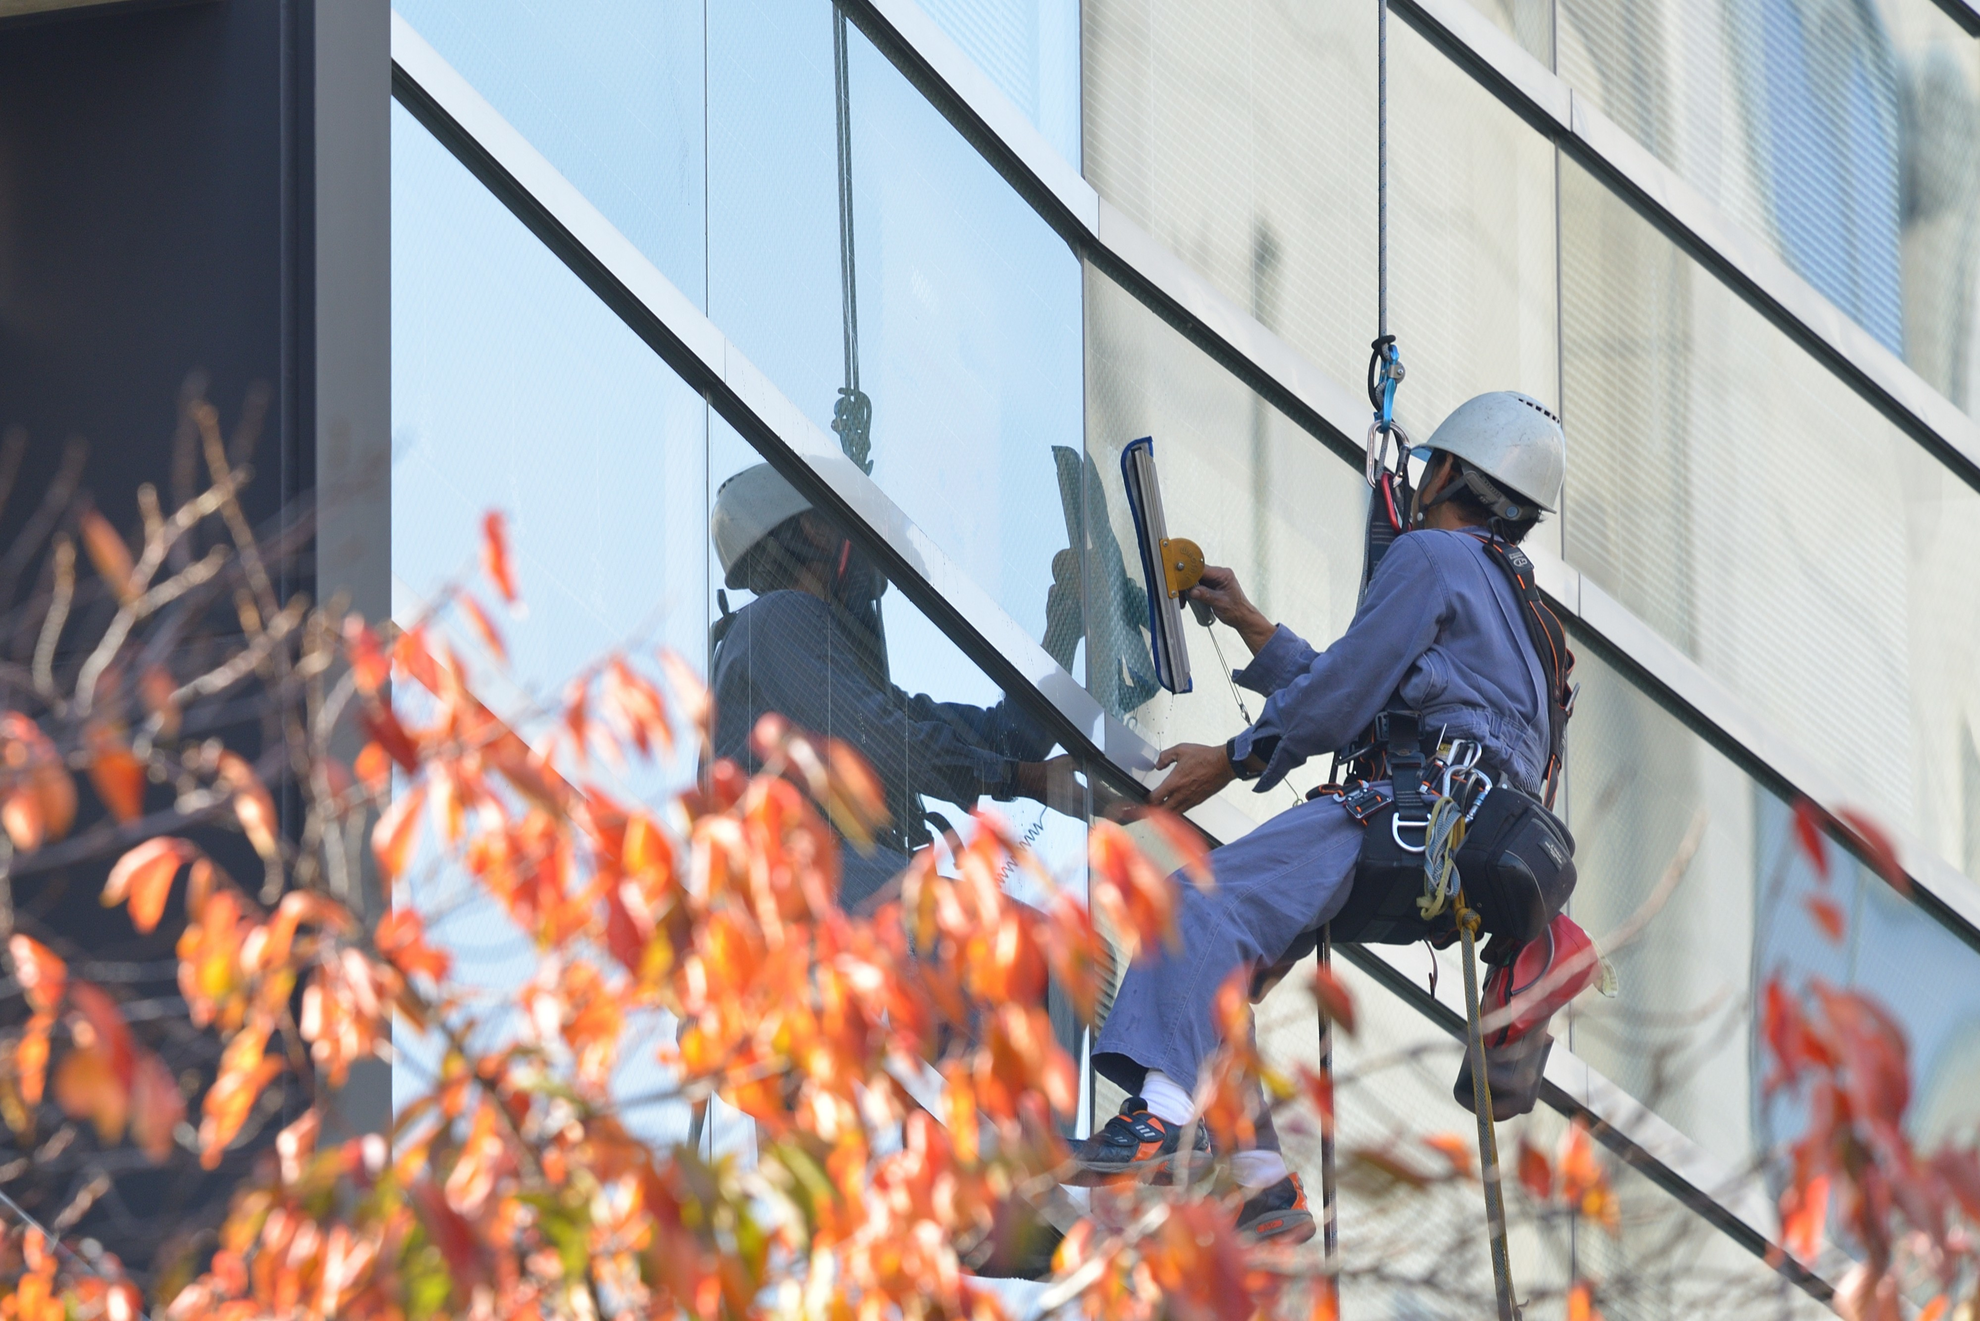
(1439, 631)
(811, 648)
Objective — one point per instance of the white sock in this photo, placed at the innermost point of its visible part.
(1257, 1168)
(1166, 1100)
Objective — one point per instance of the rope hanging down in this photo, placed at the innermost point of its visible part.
(852, 415)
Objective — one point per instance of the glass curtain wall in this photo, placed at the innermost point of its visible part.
(1764, 517)
(1845, 136)
(641, 522)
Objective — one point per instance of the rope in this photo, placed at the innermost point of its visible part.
(1382, 169)
(852, 415)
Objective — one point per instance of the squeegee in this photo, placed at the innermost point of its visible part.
(1169, 565)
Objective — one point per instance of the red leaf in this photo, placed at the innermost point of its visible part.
(495, 555)
(144, 877)
(1808, 836)
(1535, 1173)
(1828, 915)
(1454, 1148)
(31, 1055)
(370, 670)
(157, 1107)
(382, 724)
(117, 775)
(1335, 1001)
(1870, 837)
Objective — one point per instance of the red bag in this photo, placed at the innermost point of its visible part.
(1546, 974)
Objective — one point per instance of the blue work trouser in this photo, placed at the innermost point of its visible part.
(1285, 877)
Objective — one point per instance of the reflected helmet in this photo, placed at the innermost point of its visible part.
(1510, 438)
(748, 507)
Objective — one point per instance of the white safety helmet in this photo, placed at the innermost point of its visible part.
(1510, 438)
(748, 507)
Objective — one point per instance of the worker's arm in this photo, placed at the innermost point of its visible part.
(1341, 690)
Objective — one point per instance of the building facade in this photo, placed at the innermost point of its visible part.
(938, 262)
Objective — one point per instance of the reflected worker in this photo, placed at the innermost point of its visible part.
(811, 648)
(1440, 635)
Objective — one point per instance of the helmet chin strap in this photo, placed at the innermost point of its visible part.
(1481, 486)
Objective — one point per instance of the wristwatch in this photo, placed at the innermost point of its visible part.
(1253, 765)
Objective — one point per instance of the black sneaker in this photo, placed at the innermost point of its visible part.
(1138, 1144)
(1277, 1215)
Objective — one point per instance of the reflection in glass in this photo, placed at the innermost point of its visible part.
(1030, 49)
(1683, 1035)
(1847, 137)
(1756, 511)
(611, 91)
(1257, 492)
(811, 645)
(955, 307)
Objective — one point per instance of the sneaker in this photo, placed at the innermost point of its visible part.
(1137, 1144)
(1277, 1215)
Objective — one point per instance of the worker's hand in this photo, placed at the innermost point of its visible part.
(1219, 590)
(1200, 772)
(1054, 783)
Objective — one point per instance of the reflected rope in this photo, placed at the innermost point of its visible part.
(852, 414)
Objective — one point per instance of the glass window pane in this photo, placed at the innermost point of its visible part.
(1243, 137)
(962, 327)
(1760, 514)
(516, 389)
(1030, 49)
(1683, 1035)
(611, 91)
(1238, 477)
(1845, 137)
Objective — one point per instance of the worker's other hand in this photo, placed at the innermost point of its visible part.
(1055, 783)
(1199, 773)
(1219, 590)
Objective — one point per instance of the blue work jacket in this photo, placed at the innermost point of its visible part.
(1440, 631)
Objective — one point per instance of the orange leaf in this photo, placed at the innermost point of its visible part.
(401, 938)
(690, 694)
(42, 975)
(495, 555)
(1455, 1149)
(1581, 1303)
(87, 1087)
(244, 1072)
(382, 724)
(1335, 1001)
(1192, 852)
(374, 768)
(157, 1107)
(31, 1055)
(144, 876)
(1936, 1309)
(483, 625)
(157, 688)
(21, 814)
(1804, 1216)
(1326, 1299)
(253, 804)
(109, 554)
(117, 775)
(1828, 915)
(393, 837)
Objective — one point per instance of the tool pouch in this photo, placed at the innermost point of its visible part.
(1514, 1073)
(1516, 863)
